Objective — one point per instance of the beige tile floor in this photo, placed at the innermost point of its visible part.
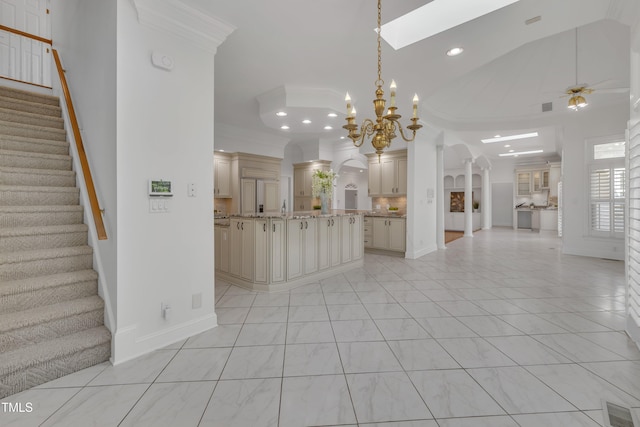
(499, 330)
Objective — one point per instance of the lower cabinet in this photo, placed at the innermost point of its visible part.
(222, 248)
(278, 251)
(301, 247)
(389, 234)
(275, 250)
(328, 243)
(352, 238)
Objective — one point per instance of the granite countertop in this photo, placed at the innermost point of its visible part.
(298, 215)
(537, 208)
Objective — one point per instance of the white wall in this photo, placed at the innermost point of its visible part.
(361, 180)
(421, 183)
(84, 33)
(580, 127)
(164, 130)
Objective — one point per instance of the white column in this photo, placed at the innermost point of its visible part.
(468, 196)
(440, 196)
(485, 207)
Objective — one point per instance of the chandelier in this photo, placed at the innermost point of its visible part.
(385, 126)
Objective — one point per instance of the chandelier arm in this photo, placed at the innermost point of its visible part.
(366, 130)
(403, 135)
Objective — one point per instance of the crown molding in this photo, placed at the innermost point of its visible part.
(176, 18)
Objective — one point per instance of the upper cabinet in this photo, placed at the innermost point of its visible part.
(523, 183)
(536, 179)
(222, 175)
(388, 174)
(302, 173)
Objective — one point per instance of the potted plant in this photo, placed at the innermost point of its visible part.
(476, 205)
(322, 187)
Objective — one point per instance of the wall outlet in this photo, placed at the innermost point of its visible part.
(196, 300)
(165, 311)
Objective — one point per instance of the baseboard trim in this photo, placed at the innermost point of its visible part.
(128, 346)
(421, 252)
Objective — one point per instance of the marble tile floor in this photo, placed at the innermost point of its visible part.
(498, 330)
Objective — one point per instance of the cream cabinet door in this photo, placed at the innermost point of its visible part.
(324, 243)
(224, 249)
(261, 254)
(248, 196)
(345, 231)
(235, 247)
(310, 247)
(388, 176)
(298, 181)
(357, 242)
(397, 234)
(248, 257)
(294, 248)
(278, 251)
(222, 184)
(380, 233)
(271, 196)
(334, 251)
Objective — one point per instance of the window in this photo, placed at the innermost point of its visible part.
(607, 189)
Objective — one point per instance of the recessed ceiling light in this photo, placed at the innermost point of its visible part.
(511, 151)
(455, 51)
(222, 151)
(328, 127)
(281, 114)
(510, 137)
(306, 121)
(284, 127)
(342, 137)
(520, 152)
(361, 171)
(496, 136)
(332, 115)
(507, 146)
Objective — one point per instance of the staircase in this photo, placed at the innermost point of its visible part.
(51, 317)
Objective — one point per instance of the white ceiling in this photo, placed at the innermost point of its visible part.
(303, 55)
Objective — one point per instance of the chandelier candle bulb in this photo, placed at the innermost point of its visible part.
(347, 99)
(393, 88)
(353, 112)
(415, 106)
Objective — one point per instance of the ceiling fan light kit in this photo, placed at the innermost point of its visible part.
(383, 129)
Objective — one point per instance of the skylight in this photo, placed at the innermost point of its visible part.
(436, 17)
(509, 137)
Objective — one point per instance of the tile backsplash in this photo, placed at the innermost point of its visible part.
(396, 202)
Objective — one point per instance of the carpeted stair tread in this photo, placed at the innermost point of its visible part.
(26, 357)
(33, 145)
(39, 254)
(49, 313)
(19, 195)
(27, 216)
(30, 106)
(27, 118)
(37, 177)
(12, 287)
(25, 159)
(24, 95)
(32, 131)
(41, 237)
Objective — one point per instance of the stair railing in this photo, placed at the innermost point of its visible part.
(82, 155)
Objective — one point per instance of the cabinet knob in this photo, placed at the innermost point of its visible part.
(274, 228)
(332, 222)
(242, 226)
(306, 225)
(264, 227)
(301, 225)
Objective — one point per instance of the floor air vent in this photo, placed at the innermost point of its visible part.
(618, 416)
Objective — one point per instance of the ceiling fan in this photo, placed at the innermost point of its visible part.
(576, 92)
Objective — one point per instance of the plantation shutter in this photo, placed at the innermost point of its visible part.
(607, 199)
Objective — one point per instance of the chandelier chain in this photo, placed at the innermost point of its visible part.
(379, 82)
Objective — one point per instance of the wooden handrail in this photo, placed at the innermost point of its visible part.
(23, 34)
(91, 190)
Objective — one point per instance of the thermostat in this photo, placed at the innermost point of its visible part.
(159, 187)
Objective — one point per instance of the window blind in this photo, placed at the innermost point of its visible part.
(633, 252)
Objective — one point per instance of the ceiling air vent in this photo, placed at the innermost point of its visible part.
(617, 416)
(547, 106)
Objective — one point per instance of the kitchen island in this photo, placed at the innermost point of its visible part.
(277, 253)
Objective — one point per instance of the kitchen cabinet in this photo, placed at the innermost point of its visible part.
(265, 173)
(301, 247)
(554, 179)
(221, 176)
(549, 219)
(241, 250)
(388, 174)
(352, 239)
(261, 252)
(368, 231)
(248, 195)
(540, 180)
(271, 196)
(389, 234)
(221, 234)
(523, 183)
(302, 183)
(278, 251)
(328, 243)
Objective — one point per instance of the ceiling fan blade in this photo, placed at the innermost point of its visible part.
(613, 90)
